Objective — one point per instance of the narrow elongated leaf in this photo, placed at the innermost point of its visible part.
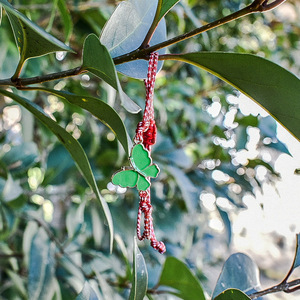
(17, 282)
(240, 272)
(48, 287)
(121, 37)
(177, 275)
(74, 148)
(66, 17)
(188, 189)
(271, 86)
(75, 219)
(140, 275)
(41, 266)
(165, 6)
(31, 40)
(97, 60)
(105, 113)
(227, 223)
(232, 294)
(87, 293)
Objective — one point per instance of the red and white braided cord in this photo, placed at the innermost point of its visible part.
(146, 134)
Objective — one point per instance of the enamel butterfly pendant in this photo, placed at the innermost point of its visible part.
(141, 169)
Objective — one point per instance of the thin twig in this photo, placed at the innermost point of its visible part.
(282, 287)
(152, 28)
(21, 82)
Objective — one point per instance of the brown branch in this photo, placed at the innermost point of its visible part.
(21, 82)
(282, 287)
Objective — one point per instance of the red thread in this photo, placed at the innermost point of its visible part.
(146, 134)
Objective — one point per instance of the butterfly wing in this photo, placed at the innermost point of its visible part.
(142, 183)
(151, 171)
(140, 158)
(125, 178)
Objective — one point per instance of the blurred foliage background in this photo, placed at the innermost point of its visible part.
(209, 150)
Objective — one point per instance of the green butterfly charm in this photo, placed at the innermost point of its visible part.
(141, 168)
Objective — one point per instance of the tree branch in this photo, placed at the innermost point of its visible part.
(282, 287)
(256, 6)
(142, 53)
(21, 82)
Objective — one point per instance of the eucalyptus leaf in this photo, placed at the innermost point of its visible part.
(105, 113)
(97, 60)
(74, 148)
(66, 17)
(140, 275)
(188, 190)
(41, 273)
(32, 40)
(121, 37)
(240, 272)
(232, 294)
(268, 84)
(87, 293)
(75, 219)
(176, 274)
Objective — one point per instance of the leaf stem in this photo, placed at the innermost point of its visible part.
(154, 24)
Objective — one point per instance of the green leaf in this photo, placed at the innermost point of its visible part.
(75, 219)
(225, 218)
(97, 60)
(121, 37)
(17, 281)
(188, 190)
(239, 271)
(232, 294)
(140, 275)
(165, 6)
(32, 41)
(87, 293)
(74, 148)
(66, 17)
(177, 275)
(29, 233)
(41, 267)
(12, 189)
(21, 157)
(268, 84)
(105, 113)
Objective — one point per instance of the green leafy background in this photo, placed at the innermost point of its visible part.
(65, 231)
